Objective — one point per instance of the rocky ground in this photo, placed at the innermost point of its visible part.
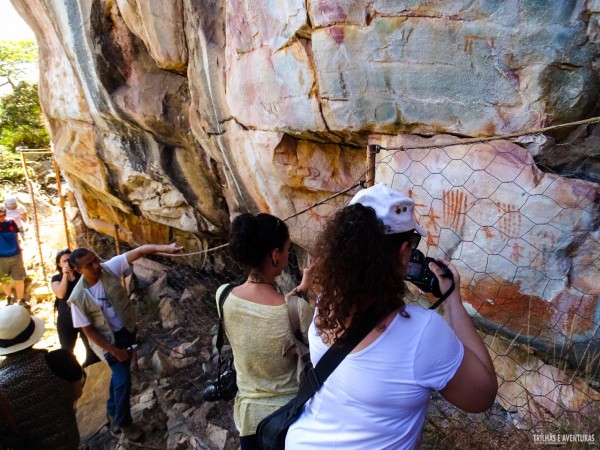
(175, 359)
(173, 365)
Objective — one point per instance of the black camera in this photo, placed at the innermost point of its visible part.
(418, 273)
(223, 388)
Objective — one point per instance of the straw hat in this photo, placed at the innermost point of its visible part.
(18, 330)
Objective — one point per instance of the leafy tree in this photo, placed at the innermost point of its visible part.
(10, 167)
(21, 118)
(15, 58)
(20, 113)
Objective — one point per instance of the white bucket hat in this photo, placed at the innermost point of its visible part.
(10, 201)
(396, 211)
(18, 330)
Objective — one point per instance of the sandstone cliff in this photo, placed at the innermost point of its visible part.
(167, 117)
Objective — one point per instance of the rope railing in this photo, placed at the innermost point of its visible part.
(221, 247)
(499, 137)
(370, 177)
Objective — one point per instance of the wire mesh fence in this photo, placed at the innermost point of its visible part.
(527, 246)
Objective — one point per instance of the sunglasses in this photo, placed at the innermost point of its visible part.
(414, 240)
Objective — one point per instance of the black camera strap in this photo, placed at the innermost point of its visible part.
(332, 358)
(444, 296)
(220, 334)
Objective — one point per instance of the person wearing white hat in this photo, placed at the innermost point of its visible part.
(11, 258)
(40, 387)
(377, 397)
(16, 212)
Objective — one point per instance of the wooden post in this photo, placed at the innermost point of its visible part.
(118, 250)
(35, 216)
(117, 243)
(372, 150)
(60, 198)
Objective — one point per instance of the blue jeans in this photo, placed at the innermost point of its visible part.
(118, 405)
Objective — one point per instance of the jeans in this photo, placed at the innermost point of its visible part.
(118, 405)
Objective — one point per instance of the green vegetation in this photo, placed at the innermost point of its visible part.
(10, 166)
(15, 58)
(21, 119)
(21, 122)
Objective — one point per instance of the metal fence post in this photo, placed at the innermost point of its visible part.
(35, 216)
(60, 197)
(372, 150)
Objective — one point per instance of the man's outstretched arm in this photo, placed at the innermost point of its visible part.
(148, 249)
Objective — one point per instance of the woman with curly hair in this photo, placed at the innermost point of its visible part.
(256, 321)
(377, 397)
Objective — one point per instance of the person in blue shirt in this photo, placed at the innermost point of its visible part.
(11, 258)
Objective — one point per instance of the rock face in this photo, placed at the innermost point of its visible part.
(523, 240)
(169, 117)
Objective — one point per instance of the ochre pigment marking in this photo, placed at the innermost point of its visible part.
(331, 10)
(515, 252)
(505, 305)
(337, 34)
(574, 313)
(511, 221)
(431, 227)
(312, 212)
(488, 232)
(454, 209)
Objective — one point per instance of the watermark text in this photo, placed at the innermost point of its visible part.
(562, 439)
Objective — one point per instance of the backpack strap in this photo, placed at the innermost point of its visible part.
(224, 294)
(332, 358)
(219, 343)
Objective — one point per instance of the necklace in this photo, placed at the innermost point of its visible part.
(254, 279)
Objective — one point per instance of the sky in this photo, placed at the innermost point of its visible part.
(12, 26)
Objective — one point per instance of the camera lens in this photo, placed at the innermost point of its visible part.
(211, 393)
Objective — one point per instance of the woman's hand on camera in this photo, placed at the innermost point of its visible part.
(445, 282)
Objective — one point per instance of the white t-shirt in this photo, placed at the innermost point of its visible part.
(117, 265)
(377, 398)
(15, 214)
